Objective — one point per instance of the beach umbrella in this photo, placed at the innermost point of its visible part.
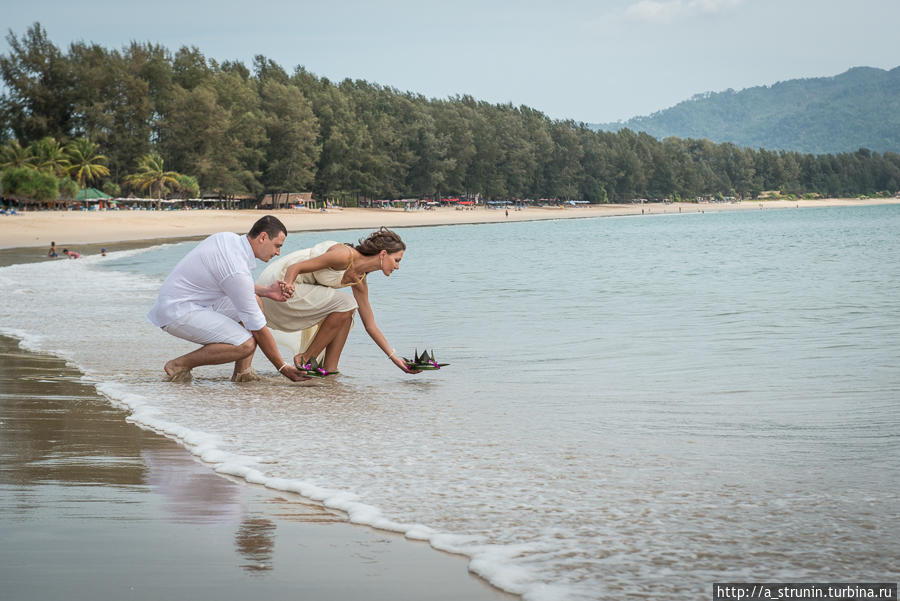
(89, 194)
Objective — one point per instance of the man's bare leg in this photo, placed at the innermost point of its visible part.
(243, 371)
(211, 354)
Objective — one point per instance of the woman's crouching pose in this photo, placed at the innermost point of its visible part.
(315, 321)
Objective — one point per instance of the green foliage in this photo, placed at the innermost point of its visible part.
(152, 177)
(112, 188)
(12, 154)
(291, 129)
(188, 186)
(38, 102)
(50, 156)
(97, 113)
(29, 184)
(859, 108)
(67, 188)
(84, 162)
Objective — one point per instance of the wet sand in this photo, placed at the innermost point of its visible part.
(94, 508)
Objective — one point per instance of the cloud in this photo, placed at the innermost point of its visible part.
(669, 10)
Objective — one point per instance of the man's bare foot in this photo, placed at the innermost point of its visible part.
(176, 374)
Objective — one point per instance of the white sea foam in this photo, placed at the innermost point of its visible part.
(79, 284)
(618, 425)
(79, 329)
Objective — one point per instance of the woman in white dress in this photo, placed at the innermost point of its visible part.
(316, 318)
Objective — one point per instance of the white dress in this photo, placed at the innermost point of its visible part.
(295, 322)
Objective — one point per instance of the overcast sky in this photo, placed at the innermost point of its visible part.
(592, 61)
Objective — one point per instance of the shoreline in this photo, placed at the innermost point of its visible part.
(36, 229)
(58, 503)
(94, 507)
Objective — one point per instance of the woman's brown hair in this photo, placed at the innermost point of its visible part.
(377, 241)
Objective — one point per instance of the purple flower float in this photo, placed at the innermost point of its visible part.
(424, 361)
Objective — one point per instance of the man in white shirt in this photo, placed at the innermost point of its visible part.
(210, 298)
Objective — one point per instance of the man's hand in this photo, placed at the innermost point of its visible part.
(287, 288)
(292, 373)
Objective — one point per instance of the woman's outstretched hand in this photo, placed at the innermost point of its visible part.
(399, 362)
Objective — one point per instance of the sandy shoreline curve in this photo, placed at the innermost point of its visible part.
(90, 505)
(70, 228)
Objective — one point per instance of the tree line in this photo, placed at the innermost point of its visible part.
(239, 131)
(47, 172)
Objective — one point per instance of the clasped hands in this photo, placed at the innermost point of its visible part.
(279, 291)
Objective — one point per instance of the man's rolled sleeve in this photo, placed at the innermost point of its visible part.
(239, 288)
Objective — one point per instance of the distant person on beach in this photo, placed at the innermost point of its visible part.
(102, 252)
(52, 252)
(210, 299)
(316, 319)
(71, 254)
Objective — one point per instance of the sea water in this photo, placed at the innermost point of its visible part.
(635, 407)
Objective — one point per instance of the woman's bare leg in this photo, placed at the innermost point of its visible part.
(331, 336)
(334, 348)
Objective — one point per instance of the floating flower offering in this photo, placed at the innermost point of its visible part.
(424, 361)
(313, 368)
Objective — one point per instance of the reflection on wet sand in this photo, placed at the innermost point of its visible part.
(93, 508)
(255, 539)
(191, 492)
(56, 431)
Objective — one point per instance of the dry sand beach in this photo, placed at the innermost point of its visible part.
(73, 228)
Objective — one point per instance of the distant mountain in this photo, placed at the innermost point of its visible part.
(853, 110)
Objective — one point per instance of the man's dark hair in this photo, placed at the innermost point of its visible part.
(268, 224)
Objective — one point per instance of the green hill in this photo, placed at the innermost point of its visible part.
(856, 109)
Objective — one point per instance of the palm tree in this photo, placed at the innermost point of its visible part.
(50, 156)
(152, 176)
(13, 155)
(188, 186)
(84, 162)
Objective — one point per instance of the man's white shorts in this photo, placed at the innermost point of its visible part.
(219, 323)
